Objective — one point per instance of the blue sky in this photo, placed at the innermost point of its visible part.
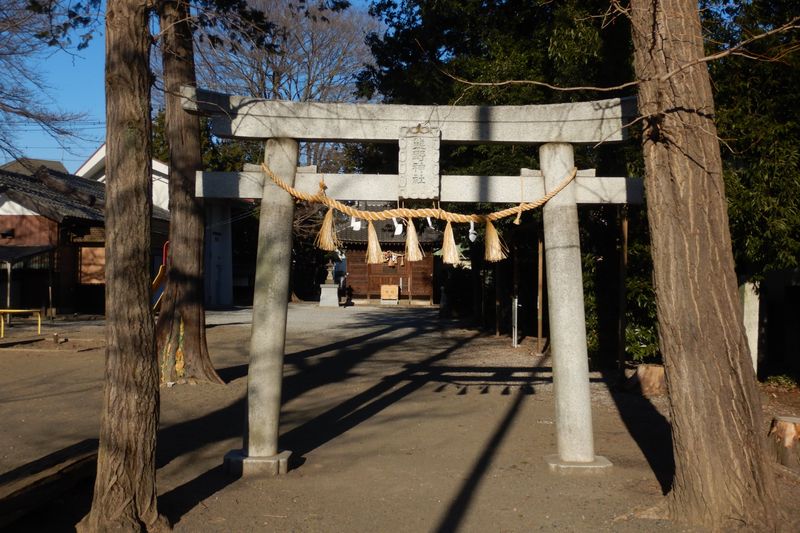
(77, 86)
(76, 82)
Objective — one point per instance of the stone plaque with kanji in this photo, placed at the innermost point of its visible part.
(419, 163)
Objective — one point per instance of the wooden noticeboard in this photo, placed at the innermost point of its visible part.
(390, 292)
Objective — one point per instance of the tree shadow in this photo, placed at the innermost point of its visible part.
(58, 514)
(460, 505)
(185, 437)
(60, 482)
(232, 373)
(334, 363)
(328, 364)
(180, 500)
(651, 431)
(242, 323)
(364, 405)
(228, 422)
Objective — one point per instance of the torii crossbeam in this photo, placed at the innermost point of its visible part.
(418, 130)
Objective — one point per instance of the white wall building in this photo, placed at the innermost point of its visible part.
(218, 246)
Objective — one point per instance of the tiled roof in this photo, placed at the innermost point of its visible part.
(59, 195)
(27, 166)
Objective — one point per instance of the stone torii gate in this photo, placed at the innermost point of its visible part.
(418, 130)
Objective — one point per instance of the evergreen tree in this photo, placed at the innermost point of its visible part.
(759, 122)
(427, 47)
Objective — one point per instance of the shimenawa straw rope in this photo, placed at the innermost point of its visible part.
(495, 249)
(403, 212)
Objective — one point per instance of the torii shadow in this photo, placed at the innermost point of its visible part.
(348, 414)
(228, 422)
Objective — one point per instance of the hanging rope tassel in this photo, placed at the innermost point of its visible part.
(326, 238)
(374, 252)
(413, 249)
(521, 207)
(495, 248)
(450, 255)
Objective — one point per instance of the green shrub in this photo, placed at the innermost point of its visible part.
(782, 381)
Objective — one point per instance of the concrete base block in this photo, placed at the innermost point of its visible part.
(598, 466)
(238, 464)
(329, 296)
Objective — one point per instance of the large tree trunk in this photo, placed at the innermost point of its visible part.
(181, 330)
(125, 487)
(722, 478)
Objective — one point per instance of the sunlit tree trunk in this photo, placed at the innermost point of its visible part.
(722, 479)
(125, 487)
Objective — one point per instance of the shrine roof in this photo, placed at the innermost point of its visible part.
(58, 195)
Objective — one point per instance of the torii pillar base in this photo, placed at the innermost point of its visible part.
(240, 465)
(598, 466)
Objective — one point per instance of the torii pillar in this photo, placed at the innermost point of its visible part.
(260, 454)
(573, 406)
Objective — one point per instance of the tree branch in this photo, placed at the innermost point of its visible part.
(737, 50)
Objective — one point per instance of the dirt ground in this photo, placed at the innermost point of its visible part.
(397, 421)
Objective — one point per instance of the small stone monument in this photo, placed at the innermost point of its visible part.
(329, 291)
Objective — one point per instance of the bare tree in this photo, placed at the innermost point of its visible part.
(23, 92)
(125, 497)
(314, 55)
(722, 478)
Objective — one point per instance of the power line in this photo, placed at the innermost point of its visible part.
(46, 148)
(36, 130)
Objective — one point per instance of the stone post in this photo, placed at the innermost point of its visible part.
(260, 455)
(573, 410)
(750, 309)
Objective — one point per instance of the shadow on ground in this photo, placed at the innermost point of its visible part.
(317, 366)
(651, 431)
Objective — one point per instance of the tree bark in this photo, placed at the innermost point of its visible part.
(125, 487)
(181, 330)
(722, 479)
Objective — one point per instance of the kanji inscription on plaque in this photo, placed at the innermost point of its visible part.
(419, 163)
